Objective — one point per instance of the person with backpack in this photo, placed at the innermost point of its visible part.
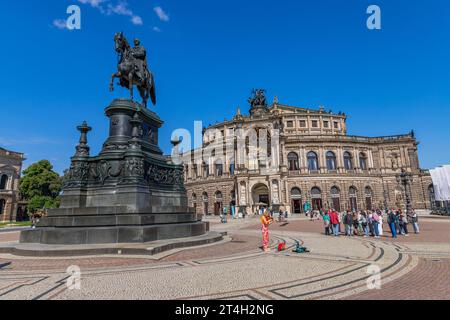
(348, 223)
(391, 221)
(326, 222)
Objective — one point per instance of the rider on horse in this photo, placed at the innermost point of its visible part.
(140, 56)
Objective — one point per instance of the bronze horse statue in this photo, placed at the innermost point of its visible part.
(128, 71)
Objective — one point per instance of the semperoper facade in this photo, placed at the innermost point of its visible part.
(313, 160)
(10, 169)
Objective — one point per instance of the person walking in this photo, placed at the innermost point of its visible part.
(266, 221)
(391, 221)
(404, 224)
(415, 222)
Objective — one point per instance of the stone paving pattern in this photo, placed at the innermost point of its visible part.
(414, 267)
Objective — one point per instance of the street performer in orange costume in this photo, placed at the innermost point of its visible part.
(266, 220)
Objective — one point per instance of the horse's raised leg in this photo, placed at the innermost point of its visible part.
(130, 80)
(111, 85)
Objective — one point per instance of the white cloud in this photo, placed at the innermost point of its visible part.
(93, 3)
(136, 20)
(120, 8)
(156, 29)
(60, 24)
(161, 14)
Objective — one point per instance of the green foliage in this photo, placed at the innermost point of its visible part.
(41, 186)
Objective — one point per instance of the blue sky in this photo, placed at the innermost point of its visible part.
(208, 55)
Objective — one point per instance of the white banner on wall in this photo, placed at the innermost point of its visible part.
(441, 182)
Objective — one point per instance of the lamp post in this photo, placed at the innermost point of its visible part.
(405, 180)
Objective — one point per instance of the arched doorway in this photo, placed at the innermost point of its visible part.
(260, 194)
(205, 204)
(218, 204)
(296, 197)
(233, 202)
(353, 198)
(316, 198)
(194, 201)
(336, 198)
(3, 182)
(369, 195)
(2, 206)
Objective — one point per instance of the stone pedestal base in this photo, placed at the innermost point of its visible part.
(128, 194)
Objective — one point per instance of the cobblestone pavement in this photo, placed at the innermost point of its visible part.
(414, 267)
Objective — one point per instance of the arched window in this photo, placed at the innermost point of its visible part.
(232, 167)
(363, 161)
(205, 170)
(313, 163)
(348, 161)
(369, 194)
(331, 160)
(336, 198)
(218, 196)
(353, 198)
(2, 206)
(293, 161)
(296, 193)
(3, 182)
(218, 168)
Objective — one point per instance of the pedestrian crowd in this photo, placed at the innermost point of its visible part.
(368, 223)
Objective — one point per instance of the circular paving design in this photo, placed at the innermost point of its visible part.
(236, 268)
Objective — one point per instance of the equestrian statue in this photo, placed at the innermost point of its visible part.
(133, 69)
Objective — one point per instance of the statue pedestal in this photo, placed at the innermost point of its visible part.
(129, 193)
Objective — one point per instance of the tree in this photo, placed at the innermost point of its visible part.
(40, 186)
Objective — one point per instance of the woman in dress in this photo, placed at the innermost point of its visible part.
(266, 220)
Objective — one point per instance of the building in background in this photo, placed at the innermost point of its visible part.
(313, 160)
(10, 170)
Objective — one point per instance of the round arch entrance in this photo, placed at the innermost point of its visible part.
(260, 195)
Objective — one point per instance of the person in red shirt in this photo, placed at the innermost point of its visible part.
(334, 219)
